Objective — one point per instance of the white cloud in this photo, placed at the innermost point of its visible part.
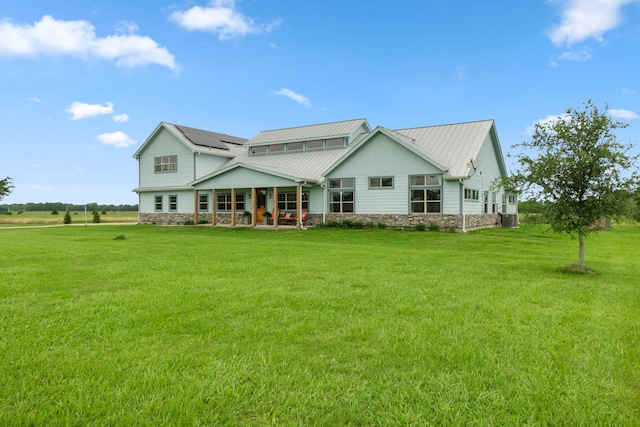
(119, 118)
(586, 19)
(220, 17)
(547, 121)
(35, 99)
(300, 99)
(117, 139)
(81, 110)
(78, 38)
(126, 27)
(624, 114)
(581, 55)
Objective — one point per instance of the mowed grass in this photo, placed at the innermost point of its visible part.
(46, 218)
(219, 326)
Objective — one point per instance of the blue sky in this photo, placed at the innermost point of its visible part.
(84, 83)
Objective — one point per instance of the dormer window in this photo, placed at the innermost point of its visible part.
(259, 150)
(313, 145)
(294, 146)
(335, 143)
(276, 149)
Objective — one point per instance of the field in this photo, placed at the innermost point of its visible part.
(148, 325)
(46, 218)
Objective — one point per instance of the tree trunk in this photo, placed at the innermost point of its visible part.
(581, 252)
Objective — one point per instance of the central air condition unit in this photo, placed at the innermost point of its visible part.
(510, 220)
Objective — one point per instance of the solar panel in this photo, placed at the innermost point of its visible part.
(202, 137)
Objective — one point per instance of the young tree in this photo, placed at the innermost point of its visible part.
(5, 187)
(576, 165)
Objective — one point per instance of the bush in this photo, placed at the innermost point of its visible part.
(434, 227)
(189, 222)
(371, 225)
(346, 223)
(67, 218)
(54, 212)
(357, 224)
(420, 227)
(203, 221)
(382, 225)
(96, 217)
(120, 237)
(104, 212)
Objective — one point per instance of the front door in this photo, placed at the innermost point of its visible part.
(261, 203)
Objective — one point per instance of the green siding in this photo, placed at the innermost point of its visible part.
(165, 144)
(244, 178)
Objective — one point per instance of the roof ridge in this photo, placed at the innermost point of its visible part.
(446, 124)
(314, 125)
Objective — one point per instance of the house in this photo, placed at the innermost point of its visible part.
(326, 172)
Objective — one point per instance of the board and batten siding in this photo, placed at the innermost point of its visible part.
(383, 157)
(166, 144)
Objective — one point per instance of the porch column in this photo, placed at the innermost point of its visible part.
(299, 207)
(274, 212)
(214, 204)
(233, 206)
(254, 206)
(195, 207)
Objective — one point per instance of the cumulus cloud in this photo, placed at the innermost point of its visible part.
(623, 114)
(78, 39)
(80, 110)
(220, 17)
(300, 99)
(117, 139)
(586, 19)
(547, 121)
(119, 118)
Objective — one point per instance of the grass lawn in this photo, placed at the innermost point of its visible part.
(220, 326)
(46, 218)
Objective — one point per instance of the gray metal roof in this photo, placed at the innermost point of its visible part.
(209, 139)
(454, 144)
(306, 133)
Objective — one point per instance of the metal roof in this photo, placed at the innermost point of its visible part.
(306, 133)
(209, 139)
(454, 144)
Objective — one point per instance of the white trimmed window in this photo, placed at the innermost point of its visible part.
(289, 201)
(203, 202)
(164, 164)
(471, 194)
(341, 195)
(513, 199)
(425, 193)
(381, 182)
(173, 203)
(158, 203)
(224, 202)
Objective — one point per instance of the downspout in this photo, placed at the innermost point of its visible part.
(324, 204)
(464, 222)
(302, 227)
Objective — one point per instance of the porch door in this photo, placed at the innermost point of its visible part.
(261, 203)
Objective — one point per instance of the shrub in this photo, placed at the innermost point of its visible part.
(382, 225)
(54, 212)
(104, 212)
(420, 227)
(357, 224)
(346, 223)
(434, 227)
(371, 225)
(20, 212)
(120, 237)
(334, 224)
(67, 218)
(203, 221)
(189, 222)
(96, 217)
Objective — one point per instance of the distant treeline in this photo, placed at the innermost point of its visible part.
(61, 207)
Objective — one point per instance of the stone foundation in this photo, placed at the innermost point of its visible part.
(398, 221)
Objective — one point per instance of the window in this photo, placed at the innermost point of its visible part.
(165, 164)
(224, 202)
(288, 201)
(341, 195)
(276, 149)
(158, 203)
(173, 203)
(334, 142)
(314, 145)
(259, 150)
(294, 146)
(471, 194)
(425, 193)
(203, 202)
(381, 182)
(486, 202)
(512, 199)
(493, 203)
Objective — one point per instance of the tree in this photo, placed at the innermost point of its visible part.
(67, 217)
(5, 187)
(96, 217)
(578, 168)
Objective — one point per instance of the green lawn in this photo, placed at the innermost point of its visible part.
(220, 326)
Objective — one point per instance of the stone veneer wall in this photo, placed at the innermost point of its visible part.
(444, 222)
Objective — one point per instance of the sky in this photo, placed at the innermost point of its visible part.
(84, 83)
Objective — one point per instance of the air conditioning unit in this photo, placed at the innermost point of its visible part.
(510, 220)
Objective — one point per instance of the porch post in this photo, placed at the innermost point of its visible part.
(214, 204)
(299, 206)
(274, 212)
(195, 207)
(254, 206)
(233, 206)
